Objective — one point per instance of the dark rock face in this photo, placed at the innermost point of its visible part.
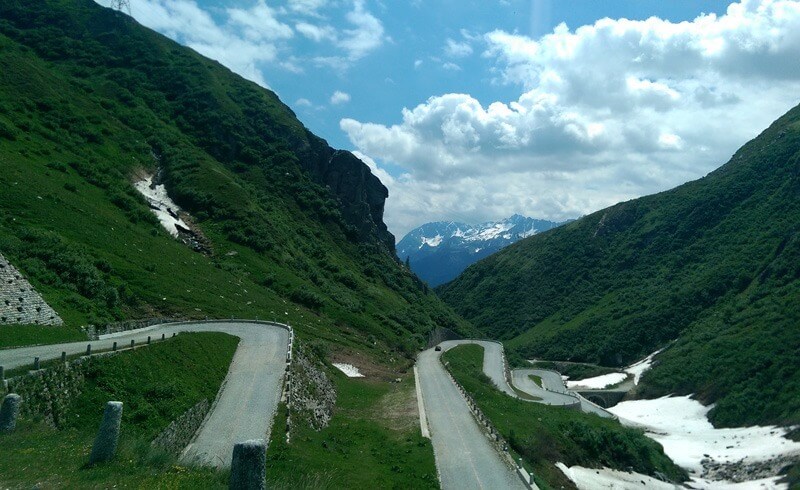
(361, 194)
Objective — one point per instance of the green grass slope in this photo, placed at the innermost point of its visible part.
(89, 100)
(714, 263)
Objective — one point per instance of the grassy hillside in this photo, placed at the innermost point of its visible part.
(714, 263)
(90, 100)
(545, 435)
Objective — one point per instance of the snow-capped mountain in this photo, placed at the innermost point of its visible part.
(439, 251)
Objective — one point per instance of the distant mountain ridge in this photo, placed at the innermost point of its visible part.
(440, 251)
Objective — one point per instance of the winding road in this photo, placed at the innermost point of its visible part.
(464, 456)
(247, 401)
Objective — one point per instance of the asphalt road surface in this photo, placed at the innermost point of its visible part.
(464, 456)
(248, 400)
(522, 381)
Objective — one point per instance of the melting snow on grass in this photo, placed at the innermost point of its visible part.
(637, 369)
(606, 478)
(598, 382)
(681, 425)
(348, 369)
(161, 205)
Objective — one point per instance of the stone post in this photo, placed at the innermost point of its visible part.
(36, 364)
(114, 347)
(63, 356)
(148, 340)
(105, 444)
(163, 336)
(89, 350)
(248, 468)
(9, 412)
(133, 342)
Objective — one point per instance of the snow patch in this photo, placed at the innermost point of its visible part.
(431, 242)
(598, 382)
(161, 205)
(606, 478)
(348, 369)
(639, 368)
(681, 425)
(492, 232)
(527, 233)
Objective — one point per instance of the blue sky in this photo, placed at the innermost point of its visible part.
(476, 110)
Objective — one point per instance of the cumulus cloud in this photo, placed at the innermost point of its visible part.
(606, 112)
(340, 97)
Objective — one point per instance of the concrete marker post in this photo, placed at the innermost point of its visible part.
(105, 444)
(9, 412)
(63, 356)
(114, 347)
(248, 467)
(89, 350)
(148, 340)
(133, 343)
(36, 364)
(163, 336)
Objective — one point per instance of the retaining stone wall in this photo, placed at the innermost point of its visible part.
(20, 304)
(48, 393)
(179, 433)
(311, 395)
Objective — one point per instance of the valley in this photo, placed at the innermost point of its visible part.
(200, 289)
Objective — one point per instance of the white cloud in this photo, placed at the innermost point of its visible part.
(340, 97)
(307, 7)
(249, 39)
(449, 65)
(258, 23)
(366, 35)
(315, 32)
(417, 64)
(455, 49)
(302, 102)
(607, 112)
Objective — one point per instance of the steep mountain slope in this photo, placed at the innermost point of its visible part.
(440, 251)
(284, 226)
(714, 263)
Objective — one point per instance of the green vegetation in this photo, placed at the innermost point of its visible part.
(157, 383)
(195, 364)
(91, 101)
(373, 441)
(544, 435)
(575, 370)
(21, 335)
(536, 379)
(714, 263)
